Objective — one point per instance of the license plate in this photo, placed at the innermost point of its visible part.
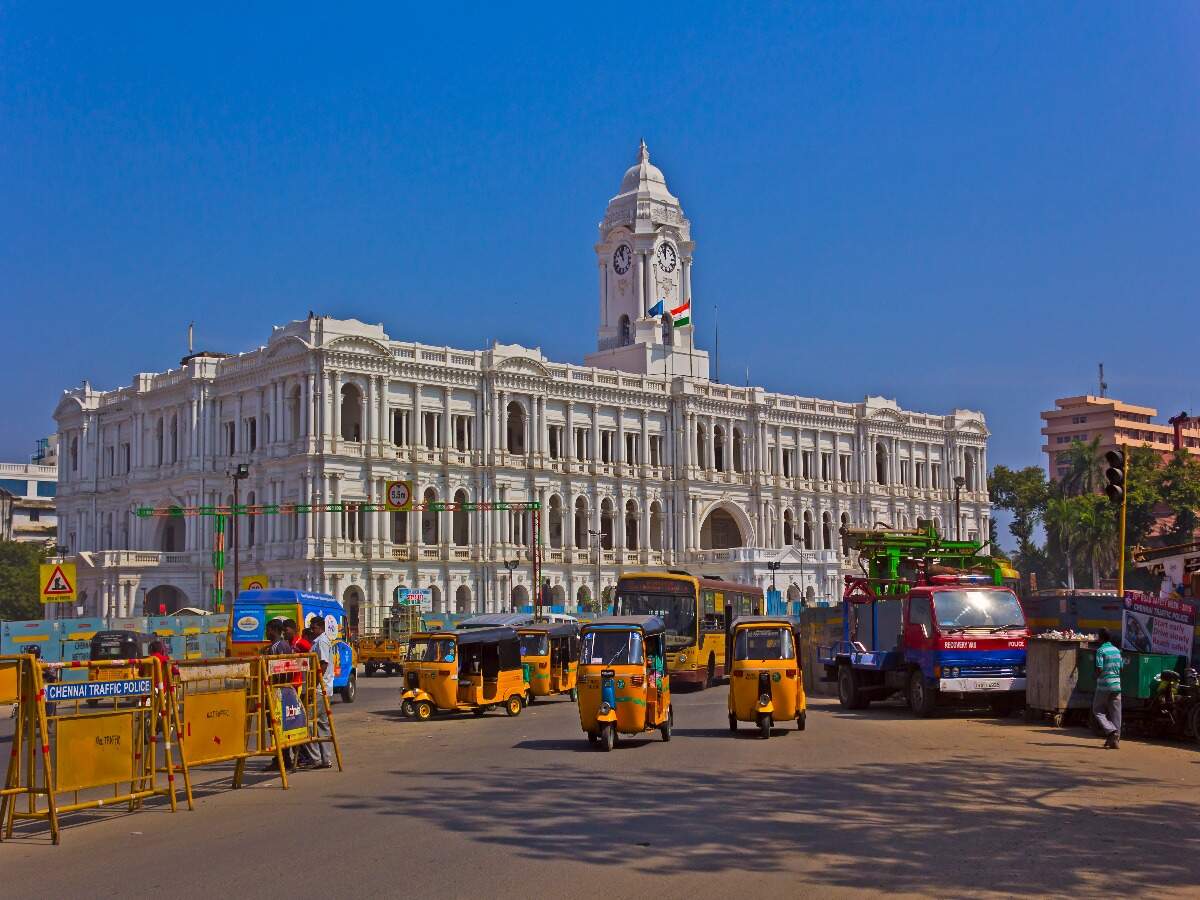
(988, 685)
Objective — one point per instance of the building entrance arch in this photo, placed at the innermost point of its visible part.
(352, 601)
(723, 527)
(163, 600)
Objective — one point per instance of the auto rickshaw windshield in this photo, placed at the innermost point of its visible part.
(764, 643)
(612, 648)
(535, 645)
(427, 650)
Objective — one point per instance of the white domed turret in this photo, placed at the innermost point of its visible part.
(645, 259)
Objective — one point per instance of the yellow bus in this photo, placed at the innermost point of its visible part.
(695, 611)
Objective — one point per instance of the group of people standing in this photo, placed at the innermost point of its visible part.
(284, 638)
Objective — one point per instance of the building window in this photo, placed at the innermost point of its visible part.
(49, 488)
(826, 466)
(632, 457)
(789, 463)
(844, 465)
(400, 427)
(935, 476)
(581, 443)
(35, 515)
(125, 458)
(656, 450)
(606, 446)
(554, 437)
(230, 438)
(252, 433)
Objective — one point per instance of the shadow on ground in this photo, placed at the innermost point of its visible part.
(1013, 826)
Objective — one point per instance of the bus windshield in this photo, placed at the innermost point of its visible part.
(995, 610)
(764, 643)
(677, 612)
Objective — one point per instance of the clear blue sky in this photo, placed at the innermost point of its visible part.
(963, 205)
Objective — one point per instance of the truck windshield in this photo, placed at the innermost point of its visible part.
(677, 612)
(535, 645)
(764, 643)
(612, 648)
(977, 609)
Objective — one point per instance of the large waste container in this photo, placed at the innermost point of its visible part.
(1137, 673)
(1052, 678)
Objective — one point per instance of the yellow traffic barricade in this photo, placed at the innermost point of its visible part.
(89, 756)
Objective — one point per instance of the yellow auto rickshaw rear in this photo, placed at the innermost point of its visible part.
(766, 685)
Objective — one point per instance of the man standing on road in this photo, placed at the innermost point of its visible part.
(317, 755)
(1106, 706)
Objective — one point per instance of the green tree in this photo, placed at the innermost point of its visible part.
(1063, 526)
(1097, 533)
(1085, 467)
(1143, 493)
(1179, 487)
(1022, 492)
(20, 593)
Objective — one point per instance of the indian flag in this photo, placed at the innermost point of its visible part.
(682, 315)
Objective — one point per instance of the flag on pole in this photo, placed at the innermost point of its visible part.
(682, 315)
(656, 310)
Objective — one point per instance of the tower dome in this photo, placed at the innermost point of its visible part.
(645, 179)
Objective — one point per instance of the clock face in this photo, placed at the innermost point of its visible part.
(622, 259)
(666, 257)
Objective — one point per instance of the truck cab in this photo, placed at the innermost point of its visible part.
(926, 630)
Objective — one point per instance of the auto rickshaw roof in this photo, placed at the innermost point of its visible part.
(781, 621)
(552, 629)
(496, 620)
(648, 624)
(469, 636)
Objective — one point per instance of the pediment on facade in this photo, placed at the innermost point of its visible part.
(289, 345)
(887, 415)
(358, 344)
(68, 405)
(524, 365)
(972, 425)
(790, 556)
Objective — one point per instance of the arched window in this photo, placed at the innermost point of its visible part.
(656, 526)
(738, 450)
(719, 448)
(555, 522)
(808, 530)
(400, 528)
(462, 525)
(516, 428)
(462, 599)
(293, 413)
(606, 524)
(789, 528)
(631, 526)
(624, 331)
(429, 518)
(826, 532)
(582, 538)
(351, 413)
(881, 464)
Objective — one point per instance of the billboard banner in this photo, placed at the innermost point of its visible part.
(1152, 624)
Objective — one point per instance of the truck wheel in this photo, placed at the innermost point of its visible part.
(350, 691)
(922, 699)
(849, 695)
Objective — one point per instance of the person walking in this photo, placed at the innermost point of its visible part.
(317, 755)
(1106, 706)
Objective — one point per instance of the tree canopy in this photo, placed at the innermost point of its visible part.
(20, 593)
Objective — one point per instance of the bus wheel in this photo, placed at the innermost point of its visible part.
(711, 678)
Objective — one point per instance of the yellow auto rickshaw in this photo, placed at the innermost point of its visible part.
(623, 685)
(549, 653)
(478, 670)
(765, 682)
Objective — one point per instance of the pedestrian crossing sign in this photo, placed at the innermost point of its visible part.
(58, 582)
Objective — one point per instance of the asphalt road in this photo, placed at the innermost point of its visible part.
(860, 803)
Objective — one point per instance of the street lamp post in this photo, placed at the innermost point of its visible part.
(511, 564)
(773, 567)
(237, 473)
(959, 481)
(596, 535)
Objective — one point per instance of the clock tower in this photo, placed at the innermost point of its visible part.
(644, 257)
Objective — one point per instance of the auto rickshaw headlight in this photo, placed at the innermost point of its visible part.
(605, 709)
(682, 658)
(764, 699)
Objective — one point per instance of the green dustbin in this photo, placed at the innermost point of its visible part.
(1137, 674)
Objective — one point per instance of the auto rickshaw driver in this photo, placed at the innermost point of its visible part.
(765, 681)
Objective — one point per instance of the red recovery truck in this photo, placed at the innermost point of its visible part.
(929, 619)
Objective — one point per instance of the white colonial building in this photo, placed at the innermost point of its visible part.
(638, 445)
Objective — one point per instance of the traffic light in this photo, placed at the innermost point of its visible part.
(1115, 476)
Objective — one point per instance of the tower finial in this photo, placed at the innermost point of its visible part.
(643, 152)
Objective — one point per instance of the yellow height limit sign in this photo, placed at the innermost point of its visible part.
(398, 496)
(58, 582)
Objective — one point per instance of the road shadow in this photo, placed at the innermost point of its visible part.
(1018, 827)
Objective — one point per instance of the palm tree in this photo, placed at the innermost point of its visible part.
(1097, 534)
(1085, 467)
(1062, 522)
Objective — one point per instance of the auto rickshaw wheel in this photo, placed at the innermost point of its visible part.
(573, 694)
(608, 738)
(424, 710)
(593, 738)
(665, 728)
(514, 705)
(406, 708)
(479, 710)
(733, 720)
(801, 721)
(764, 725)
(529, 697)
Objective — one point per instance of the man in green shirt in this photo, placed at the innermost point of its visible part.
(1106, 706)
